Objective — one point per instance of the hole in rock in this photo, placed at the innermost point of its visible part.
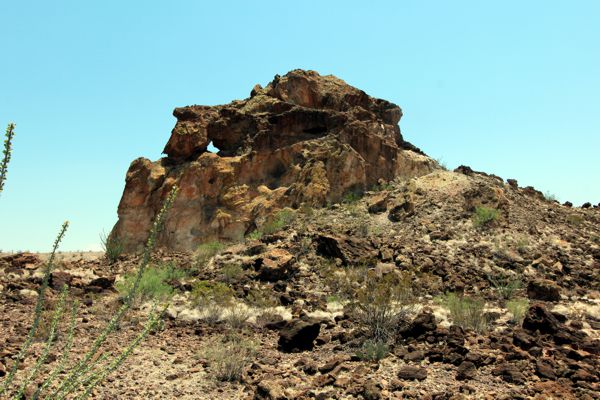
(212, 148)
(316, 130)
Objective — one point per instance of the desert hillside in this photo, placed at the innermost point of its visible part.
(318, 255)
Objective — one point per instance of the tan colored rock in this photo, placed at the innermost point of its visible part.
(304, 138)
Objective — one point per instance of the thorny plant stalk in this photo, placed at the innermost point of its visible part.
(83, 373)
(65, 354)
(38, 310)
(117, 361)
(6, 153)
(58, 313)
(73, 380)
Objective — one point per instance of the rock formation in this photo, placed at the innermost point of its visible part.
(303, 139)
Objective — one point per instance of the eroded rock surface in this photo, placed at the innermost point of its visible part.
(304, 138)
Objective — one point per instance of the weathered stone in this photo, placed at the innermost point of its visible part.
(540, 319)
(274, 265)
(509, 373)
(543, 289)
(423, 323)
(304, 138)
(466, 370)
(298, 335)
(350, 250)
(378, 203)
(411, 372)
(269, 390)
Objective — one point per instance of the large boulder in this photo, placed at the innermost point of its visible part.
(304, 138)
(299, 335)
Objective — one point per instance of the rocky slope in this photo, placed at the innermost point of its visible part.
(434, 284)
(308, 339)
(303, 139)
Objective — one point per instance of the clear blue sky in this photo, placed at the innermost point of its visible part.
(511, 88)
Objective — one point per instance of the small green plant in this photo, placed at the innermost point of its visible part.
(6, 153)
(212, 298)
(254, 235)
(517, 308)
(442, 163)
(351, 198)
(154, 283)
(379, 304)
(506, 285)
(232, 272)
(281, 219)
(262, 299)
(236, 315)
(229, 357)
(465, 312)
(372, 350)
(112, 246)
(207, 291)
(206, 251)
(485, 216)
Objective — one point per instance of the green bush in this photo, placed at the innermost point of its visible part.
(112, 246)
(281, 219)
(485, 216)
(506, 285)
(372, 350)
(466, 312)
(154, 283)
(229, 357)
(517, 307)
(204, 292)
(379, 304)
(351, 198)
(206, 251)
(232, 272)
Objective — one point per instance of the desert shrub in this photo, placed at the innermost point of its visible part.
(506, 285)
(262, 299)
(206, 251)
(154, 283)
(229, 357)
(351, 198)
(112, 246)
(232, 272)
(281, 219)
(372, 350)
(236, 315)
(484, 216)
(212, 298)
(6, 153)
(517, 307)
(379, 304)
(254, 235)
(465, 312)
(207, 291)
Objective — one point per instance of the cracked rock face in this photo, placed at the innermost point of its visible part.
(303, 139)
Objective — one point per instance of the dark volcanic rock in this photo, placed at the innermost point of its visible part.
(543, 289)
(411, 372)
(298, 335)
(542, 320)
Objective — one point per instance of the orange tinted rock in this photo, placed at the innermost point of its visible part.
(304, 138)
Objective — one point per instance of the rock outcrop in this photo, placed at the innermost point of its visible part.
(303, 139)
